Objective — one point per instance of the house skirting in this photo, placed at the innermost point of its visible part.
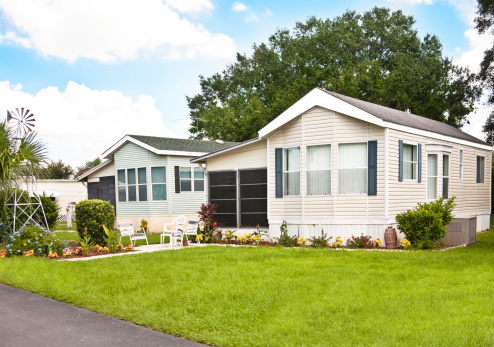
(155, 223)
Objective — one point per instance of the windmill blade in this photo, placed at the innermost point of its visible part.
(30, 116)
(22, 112)
(9, 116)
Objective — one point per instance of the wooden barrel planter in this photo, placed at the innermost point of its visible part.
(390, 237)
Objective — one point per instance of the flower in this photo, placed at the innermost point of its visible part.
(53, 255)
(3, 253)
(377, 241)
(200, 236)
(28, 253)
(301, 241)
(129, 247)
(119, 247)
(215, 223)
(67, 253)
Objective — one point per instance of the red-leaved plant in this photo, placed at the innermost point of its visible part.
(206, 216)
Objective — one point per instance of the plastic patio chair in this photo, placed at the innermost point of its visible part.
(127, 229)
(191, 229)
(174, 230)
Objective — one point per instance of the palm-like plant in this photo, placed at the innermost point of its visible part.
(20, 159)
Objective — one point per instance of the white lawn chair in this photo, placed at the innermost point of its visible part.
(191, 229)
(174, 231)
(127, 229)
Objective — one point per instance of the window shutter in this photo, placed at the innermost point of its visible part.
(400, 160)
(419, 163)
(177, 179)
(278, 163)
(372, 168)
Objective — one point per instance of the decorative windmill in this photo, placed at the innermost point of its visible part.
(21, 122)
(25, 206)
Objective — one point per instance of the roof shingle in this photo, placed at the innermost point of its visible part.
(182, 145)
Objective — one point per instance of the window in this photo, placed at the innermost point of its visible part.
(432, 176)
(131, 185)
(461, 164)
(185, 179)
(142, 184)
(352, 168)
(319, 170)
(121, 183)
(198, 179)
(158, 181)
(445, 176)
(291, 171)
(409, 162)
(480, 169)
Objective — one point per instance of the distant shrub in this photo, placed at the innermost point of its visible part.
(91, 215)
(425, 225)
(33, 238)
(52, 209)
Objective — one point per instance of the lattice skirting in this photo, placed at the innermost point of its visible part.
(63, 218)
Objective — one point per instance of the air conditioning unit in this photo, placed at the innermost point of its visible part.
(461, 231)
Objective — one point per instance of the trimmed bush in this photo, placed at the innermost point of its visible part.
(92, 215)
(33, 238)
(51, 209)
(425, 225)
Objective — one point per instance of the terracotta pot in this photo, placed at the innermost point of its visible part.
(390, 237)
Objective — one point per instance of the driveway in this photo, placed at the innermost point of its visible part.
(27, 319)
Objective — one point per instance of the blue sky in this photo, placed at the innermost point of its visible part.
(95, 70)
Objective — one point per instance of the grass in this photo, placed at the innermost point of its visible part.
(74, 236)
(284, 297)
(63, 226)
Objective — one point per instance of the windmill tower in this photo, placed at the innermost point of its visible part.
(25, 205)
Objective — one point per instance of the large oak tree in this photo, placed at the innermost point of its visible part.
(376, 56)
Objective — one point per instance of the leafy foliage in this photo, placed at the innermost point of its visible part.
(376, 56)
(90, 215)
(56, 171)
(207, 223)
(89, 163)
(110, 238)
(320, 241)
(285, 239)
(426, 224)
(361, 241)
(52, 209)
(35, 238)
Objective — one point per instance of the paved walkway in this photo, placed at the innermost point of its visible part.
(27, 319)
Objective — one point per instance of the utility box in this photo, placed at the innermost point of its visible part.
(461, 231)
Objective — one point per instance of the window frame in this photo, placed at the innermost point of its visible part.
(307, 170)
(285, 192)
(461, 164)
(194, 179)
(448, 177)
(482, 163)
(180, 168)
(415, 148)
(126, 185)
(436, 176)
(165, 183)
(366, 168)
(139, 185)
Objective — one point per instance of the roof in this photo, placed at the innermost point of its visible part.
(83, 171)
(88, 171)
(375, 114)
(237, 145)
(170, 146)
(407, 119)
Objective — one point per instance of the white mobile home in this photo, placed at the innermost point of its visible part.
(347, 166)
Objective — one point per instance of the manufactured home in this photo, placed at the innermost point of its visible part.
(335, 163)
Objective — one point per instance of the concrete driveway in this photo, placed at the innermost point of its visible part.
(27, 319)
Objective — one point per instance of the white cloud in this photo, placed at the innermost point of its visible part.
(114, 29)
(466, 9)
(472, 57)
(79, 124)
(239, 7)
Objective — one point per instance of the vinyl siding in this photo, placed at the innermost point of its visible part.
(133, 156)
(246, 157)
(471, 198)
(316, 127)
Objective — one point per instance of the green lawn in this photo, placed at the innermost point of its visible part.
(71, 236)
(63, 226)
(272, 296)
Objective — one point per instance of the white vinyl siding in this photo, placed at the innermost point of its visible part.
(319, 170)
(461, 165)
(352, 168)
(409, 162)
(432, 176)
(291, 171)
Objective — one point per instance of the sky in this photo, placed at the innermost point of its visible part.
(92, 71)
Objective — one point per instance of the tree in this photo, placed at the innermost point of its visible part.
(89, 163)
(376, 56)
(485, 23)
(56, 170)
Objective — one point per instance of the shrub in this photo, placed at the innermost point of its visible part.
(361, 242)
(284, 239)
(207, 225)
(35, 238)
(51, 209)
(320, 241)
(91, 215)
(426, 224)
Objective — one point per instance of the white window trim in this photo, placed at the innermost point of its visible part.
(330, 170)
(126, 185)
(449, 174)
(366, 168)
(299, 171)
(462, 155)
(416, 179)
(198, 179)
(152, 183)
(186, 179)
(142, 184)
(122, 185)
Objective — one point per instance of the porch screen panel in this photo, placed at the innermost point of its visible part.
(253, 198)
(223, 192)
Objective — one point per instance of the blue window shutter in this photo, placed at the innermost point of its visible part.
(278, 163)
(419, 163)
(400, 160)
(372, 168)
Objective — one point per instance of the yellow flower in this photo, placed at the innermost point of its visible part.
(200, 236)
